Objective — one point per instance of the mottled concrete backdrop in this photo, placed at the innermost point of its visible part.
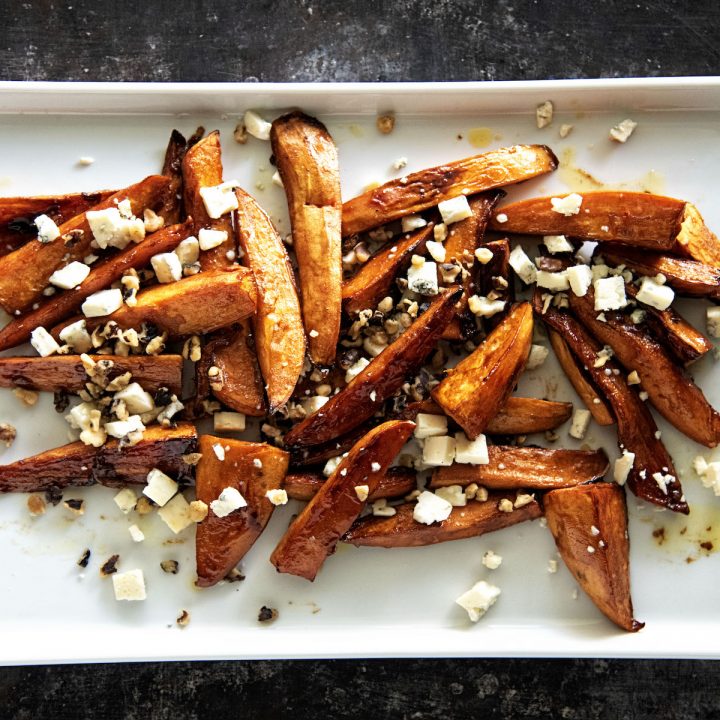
(347, 40)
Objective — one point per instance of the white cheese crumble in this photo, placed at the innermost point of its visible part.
(47, 229)
(129, 585)
(623, 466)
(454, 494)
(586, 251)
(538, 355)
(427, 425)
(121, 428)
(219, 451)
(226, 421)
(557, 244)
(655, 294)
(479, 599)
(219, 199)
(111, 229)
(568, 205)
(277, 497)
(623, 130)
(580, 422)
(188, 251)
(313, 403)
(565, 130)
(484, 255)
(501, 218)
(160, 487)
(176, 514)
(412, 222)
(104, 302)
(491, 560)
(422, 279)
(552, 566)
(700, 465)
(431, 508)
(544, 114)
(609, 293)
(362, 492)
(125, 500)
(712, 321)
(481, 306)
(136, 399)
(228, 501)
(436, 250)
(663, 480)
(454, 209)
(136, 533)
(210, 239)
(522, 265)
(76, 336)
(553, 281)
(70, 276)
(257, 126)
(355, 369)
(167, 267)
(380, 508)
(438, 450)
(633, 378)
(332, 464)
(440, 232)
(471, 452)
(710, 478)
(43, 342)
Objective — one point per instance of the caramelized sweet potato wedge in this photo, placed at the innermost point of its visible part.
(673, 394)
(172, 206)
(66, 372)
(533, 468)
(313, 535)
(202, 167)
(475, 518)
(77, 464)
(319, 454)
(53, 310)
(252, 469)
(17, 214)
(365, 394)
(637, 431)
(475, 390)
(279, 335)
(200, 303)
(426, 188)
(374, 280)
(308, 164)
(396, 482)
(594, 517)
(25, 273)
(652, 222)
(583, 386)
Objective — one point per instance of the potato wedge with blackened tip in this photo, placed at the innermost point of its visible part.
(583, 386)
(365, 394)
(25, 272)
(314, 534)
(77, 464)
(279, 334)
(673, 394)
(250, 468)
(532, 468)
(58, 373)
(589, 524)
(426, 188)
(474, 519)
(308, 165)
(396, 482)
(374, 280)
(475, 390)
(172, 207)
(637, 431)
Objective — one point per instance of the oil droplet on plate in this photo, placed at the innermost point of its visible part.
(480, 137)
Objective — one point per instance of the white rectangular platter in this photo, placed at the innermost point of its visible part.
(369, 602)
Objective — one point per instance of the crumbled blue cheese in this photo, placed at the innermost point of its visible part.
(479, 599)
(712, 321)
(219, 451)
(454, 209)
(111, 229)
(380, 508)
(160, 487)
(167, 267)
(126, 500)
(585, 251)
(663, 480)
(210, 239)
(412, 222)
(137, 401)
(711, 477)
(313, 403)
(70, 276)
(176, 514)
(481, 306)
(427, 425)
(436, 250)
(362, 492)
(356, 368)
(623, 466)
(257, 126)
(104, 302)
(43, 342)
(47, 229)
(600, 270)
(188, 251)
(440, 232)
(439, 450)
(228, 501)
(655, 294)
(471, 452)
(422, 278)
(501, 218)
(700, 464)
(580, 422)
(76, 336)
(484, 255)
(122, 428)
(129, 585)
(219, 199)
(226, 421)
(277, 497)
(431, 508)
(568, 205)
(332, 464)
(522, 265)
(136, 533)
(454, 494)
(553, 281)
(557, 244)
(633, 378)
(580, 279)
(538, 355)
(491, 560)
(609, 293)
(623, 130)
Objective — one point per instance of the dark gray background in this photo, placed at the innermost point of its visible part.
(346, 40)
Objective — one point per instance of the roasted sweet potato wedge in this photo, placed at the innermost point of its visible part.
(652, 476)
(475, 390)
(66, 372)
(533, 468)
(202, 167)
(686, 277)
(374, 280)
(319, 454)
(24, 273)
(308, 164)
(172, 206)
(17, 214)
(252, 469)
(51, 311)
(366, 393)
(589, 524)
(313, 535)
(475, 518)
(426, 188)
(674, 395)
(653, 222)
(200, 303)
(279, 335)
(78, 464)
(583, 386)
(396, 482)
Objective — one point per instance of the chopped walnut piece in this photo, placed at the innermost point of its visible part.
(240, 134)
(75, 506)
(192, 458)
(8, 434)
(170, 566)
(36, 505)
(385, 123)
(84, 558)
(109, 566)
(544, 114)
(183, 620)
(267, 614)
(192, 349)
(27, 397)
(198, 511)
(152, 220)
(143, 506)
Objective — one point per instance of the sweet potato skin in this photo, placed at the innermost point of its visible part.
(279, 335)
(426, 188)
(396, 482)
(24, 273)
(308, 164)
(66, 372)
(367, 392)
(314, 534)
(533, 468)
(474, 391)
(221, 543)
(603, 574)
(77, 464)
(476, 518)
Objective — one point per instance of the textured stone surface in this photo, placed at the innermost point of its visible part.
(347, 40)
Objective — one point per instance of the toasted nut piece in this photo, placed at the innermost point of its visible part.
(526, 467)
(279, 335)
(313, 535)
(25, 273)
(366, 392)
(250, 468)
(603, 574)
(78, 464)
(475, 518)
(307, 161)
(426, 188)
(475, 390)
(396, 482)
